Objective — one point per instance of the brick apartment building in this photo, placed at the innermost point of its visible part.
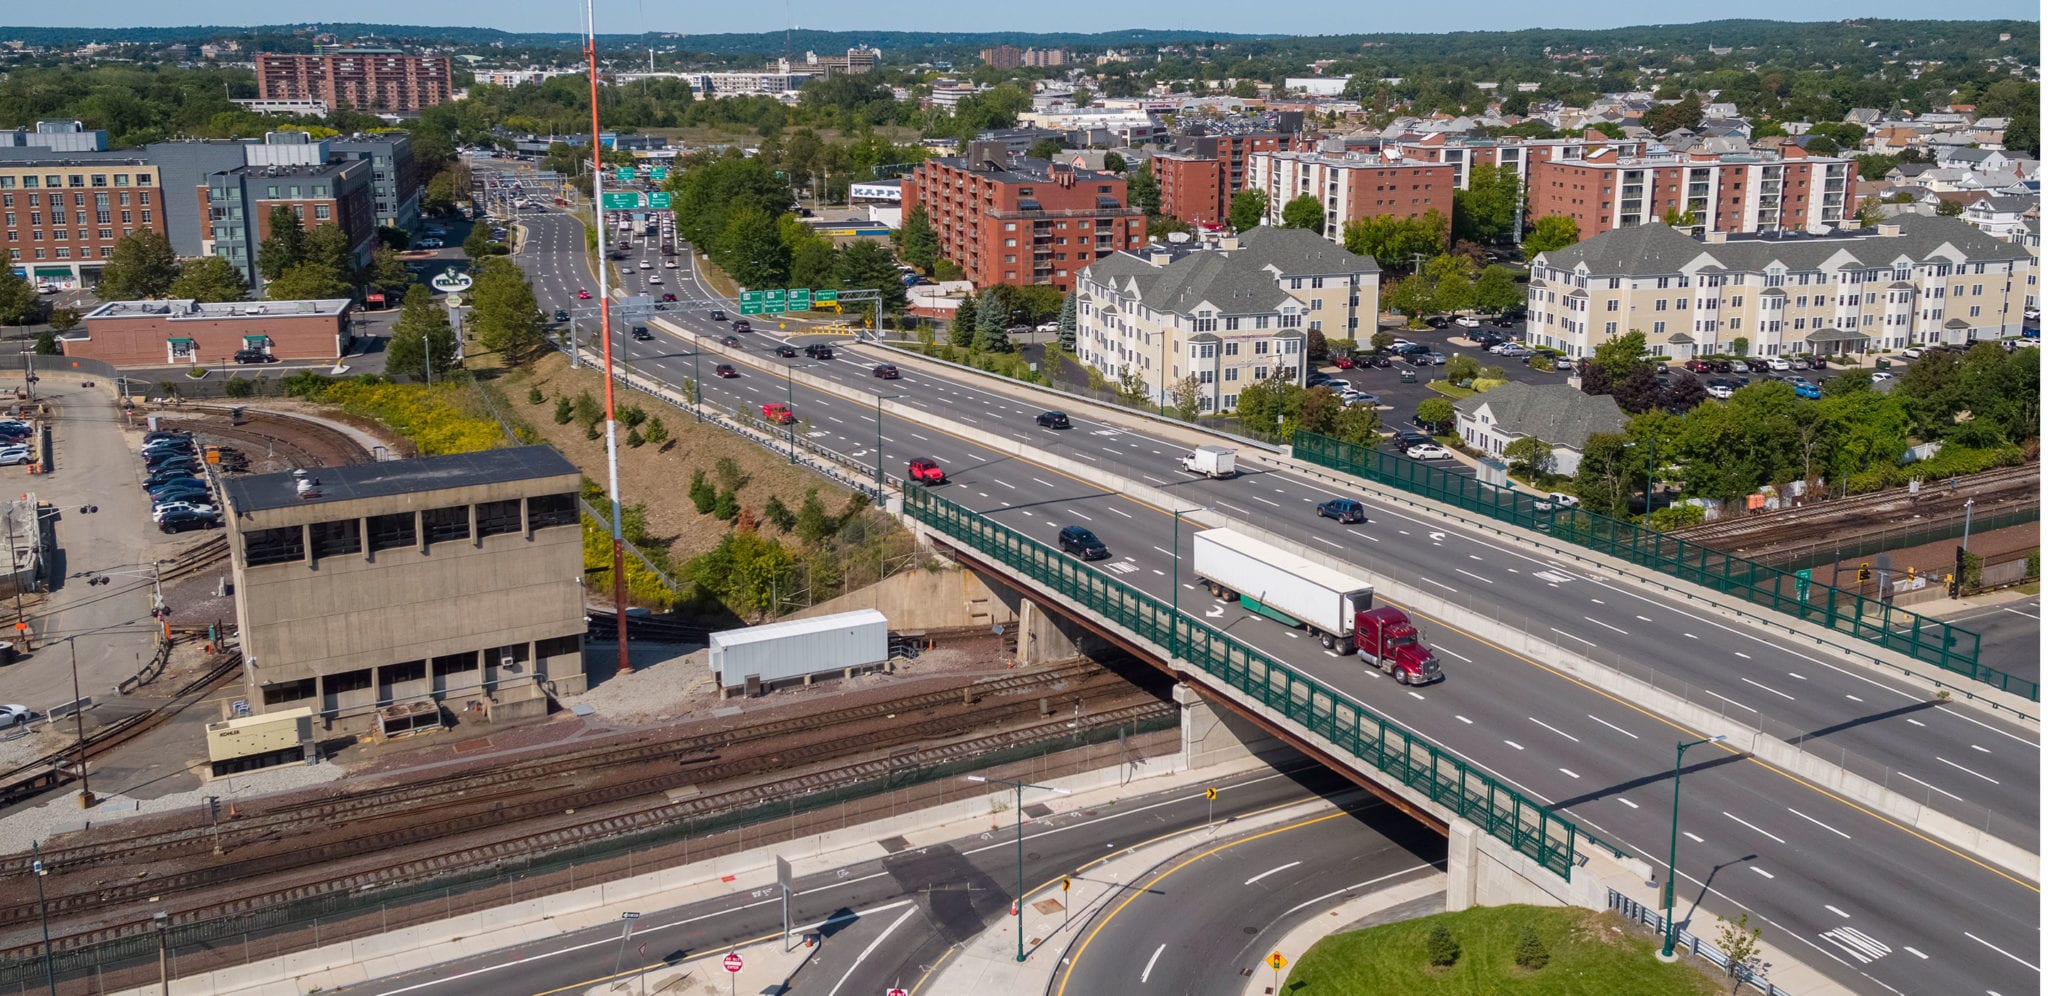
(185, 332)
(1022, 221)
(236, 203)
(1351, 186)
(1726, 193)
(1012, 57)
(1202, 173)
(1464, 152)
(365, 79)
(61, 217)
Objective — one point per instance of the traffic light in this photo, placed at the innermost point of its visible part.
(1912, 574)
(1863, 572)
(1955, 587)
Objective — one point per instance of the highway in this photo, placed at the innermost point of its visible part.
(889, 921)
(1753, 837)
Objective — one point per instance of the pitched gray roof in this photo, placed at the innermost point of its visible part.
(1656, 249)
(1295, 252)
(1232, 285)
(1555, 413)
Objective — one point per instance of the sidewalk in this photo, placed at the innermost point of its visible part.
(352, 963)
(1947, 607)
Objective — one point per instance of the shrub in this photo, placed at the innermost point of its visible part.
(702, 494)
(727, 506)
(1441, 947)
(534, 396)
(1530, 952)
(239, 387)
(778, 514)
(634, 439)
(564, 411)
(656, 433)
(592, 433)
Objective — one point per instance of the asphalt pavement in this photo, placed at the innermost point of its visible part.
(1755, 839)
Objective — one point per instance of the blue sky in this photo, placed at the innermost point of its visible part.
(1308, 17)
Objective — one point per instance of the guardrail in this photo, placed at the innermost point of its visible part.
(1522, 823)
(1744, 974)
(1866, 619)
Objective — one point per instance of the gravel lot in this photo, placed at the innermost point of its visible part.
(60, 813)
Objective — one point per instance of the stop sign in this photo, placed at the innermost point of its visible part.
(733, 963)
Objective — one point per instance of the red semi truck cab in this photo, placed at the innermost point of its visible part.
(1387, 639)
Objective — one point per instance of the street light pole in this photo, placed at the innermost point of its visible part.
(163, 952)
(697, 373)
(1020, 786)
(35, 848)
(1671, 873)
(789, 396)
(1968, 503)
(85, 799)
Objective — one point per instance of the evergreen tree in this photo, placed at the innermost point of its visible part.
(1070, 321)
(991, 324)
(961, 335)
(920, 241)
(143, 266)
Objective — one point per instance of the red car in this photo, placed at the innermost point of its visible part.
(725, 370)
(582, 294)
(777, 413)
(926, 471)
(1343, 362)
(669, 298)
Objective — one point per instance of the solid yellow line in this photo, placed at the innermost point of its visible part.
(1161, 877)
(1750, 758)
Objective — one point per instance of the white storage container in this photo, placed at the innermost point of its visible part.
(799, 647)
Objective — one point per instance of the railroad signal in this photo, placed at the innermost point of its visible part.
(1863, 572)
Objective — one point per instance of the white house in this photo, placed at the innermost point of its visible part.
(1558, 414)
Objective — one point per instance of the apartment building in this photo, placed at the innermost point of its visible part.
(1351, 186)
(364, 79)
(778, 79)
(1230, 311)
(1918, 280)
(1463, 152)
(1203, 172)
(1605, 190)
(236, 203)
(61, 217)
(55, 138)
(1012, 57)
(1008, 220)
(451, 581)
(395, 181)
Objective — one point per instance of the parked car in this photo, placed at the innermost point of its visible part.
(1428, 451)
(15, 715)
(147, 438)
(1778, 363)
(1807, 389)
(777, 413)
(1508, 321)
(1081, 542)
(1467, 321)
(170, 508)
(1054, 420)
(179, 522)
(1439, 322)
(886, 371)
(785, 350)
(818, 351)
(1319, 379)
(1878, 375)
(1342, 362)
(725, 370)
(1407, 439)
(1912, 352)
(1343, 510)
(1381, 360)
(927, 471)
(11, 455)
(1721, 391)
(1700, 366)
(253, 356)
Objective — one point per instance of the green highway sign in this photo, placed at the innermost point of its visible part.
(750, 302)
(658, 200)
(625, 174)
(658, 172)
(800, 300)
(825, 297)
(621, 202)
(775, 302)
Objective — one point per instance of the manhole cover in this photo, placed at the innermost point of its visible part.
(893, 844)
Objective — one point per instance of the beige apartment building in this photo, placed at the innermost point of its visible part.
(1230, 312)
(1920, 280)
(452, 580)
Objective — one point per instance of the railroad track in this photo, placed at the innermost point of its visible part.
(1749, 532)
(113, 735)
(599, 829)
(204, 557)
(300, 441)
(515, 779)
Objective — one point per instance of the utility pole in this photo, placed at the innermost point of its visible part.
(85, 799)
(604, 312)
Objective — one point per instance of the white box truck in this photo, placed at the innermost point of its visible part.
(1218, 462)
(1282, 586)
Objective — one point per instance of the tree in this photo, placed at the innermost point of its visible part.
(1187, 398)
(479, 245)
(1070, 321)
(1949, 209)
(703, 496)
(143, 265)
(46, 343)
(1142, 189)
(1496, 290)
(1358, 424)
(1441, 947)
(1131, 385)
(422, 343)
(1044, 148)
(1247, 209)
(1461, 370)
(1686, 113)
(1304, 212)
(811, 263)
(1318, 347)
(1622, 354)
(751, 249)
(1530, 457)
(1114, 163)
(1394, 241)
(812, 524)
(1740, 942)
(1552, 231)
(1485, 210)
(210, 279)
(1530, 952)
(64, 319)
(18, 302)
(865, 264)
(307, 281)
(992, 324)
(657, 432)
(961, 335)
(285, 246)
(1739, 345)
(507, 318)
(1437, 413)
(1821, 145)
(1259, 406)
(920, 241)
(565, 411)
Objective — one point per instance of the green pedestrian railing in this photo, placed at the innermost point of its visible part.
(1520, 822)
(1867, 619)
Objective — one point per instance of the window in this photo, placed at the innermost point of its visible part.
(393, 532)
(337, 538)
(446, 524)
(273, 546)
(1613, 304)
(321, 213)
(496, 518)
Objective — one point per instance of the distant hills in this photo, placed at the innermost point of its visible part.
(761, 41)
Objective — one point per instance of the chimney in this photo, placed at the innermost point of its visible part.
(1890, 229)
(1226, 243)
(1714, 238)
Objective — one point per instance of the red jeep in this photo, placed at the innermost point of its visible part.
(927, 471)
(777, 413)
